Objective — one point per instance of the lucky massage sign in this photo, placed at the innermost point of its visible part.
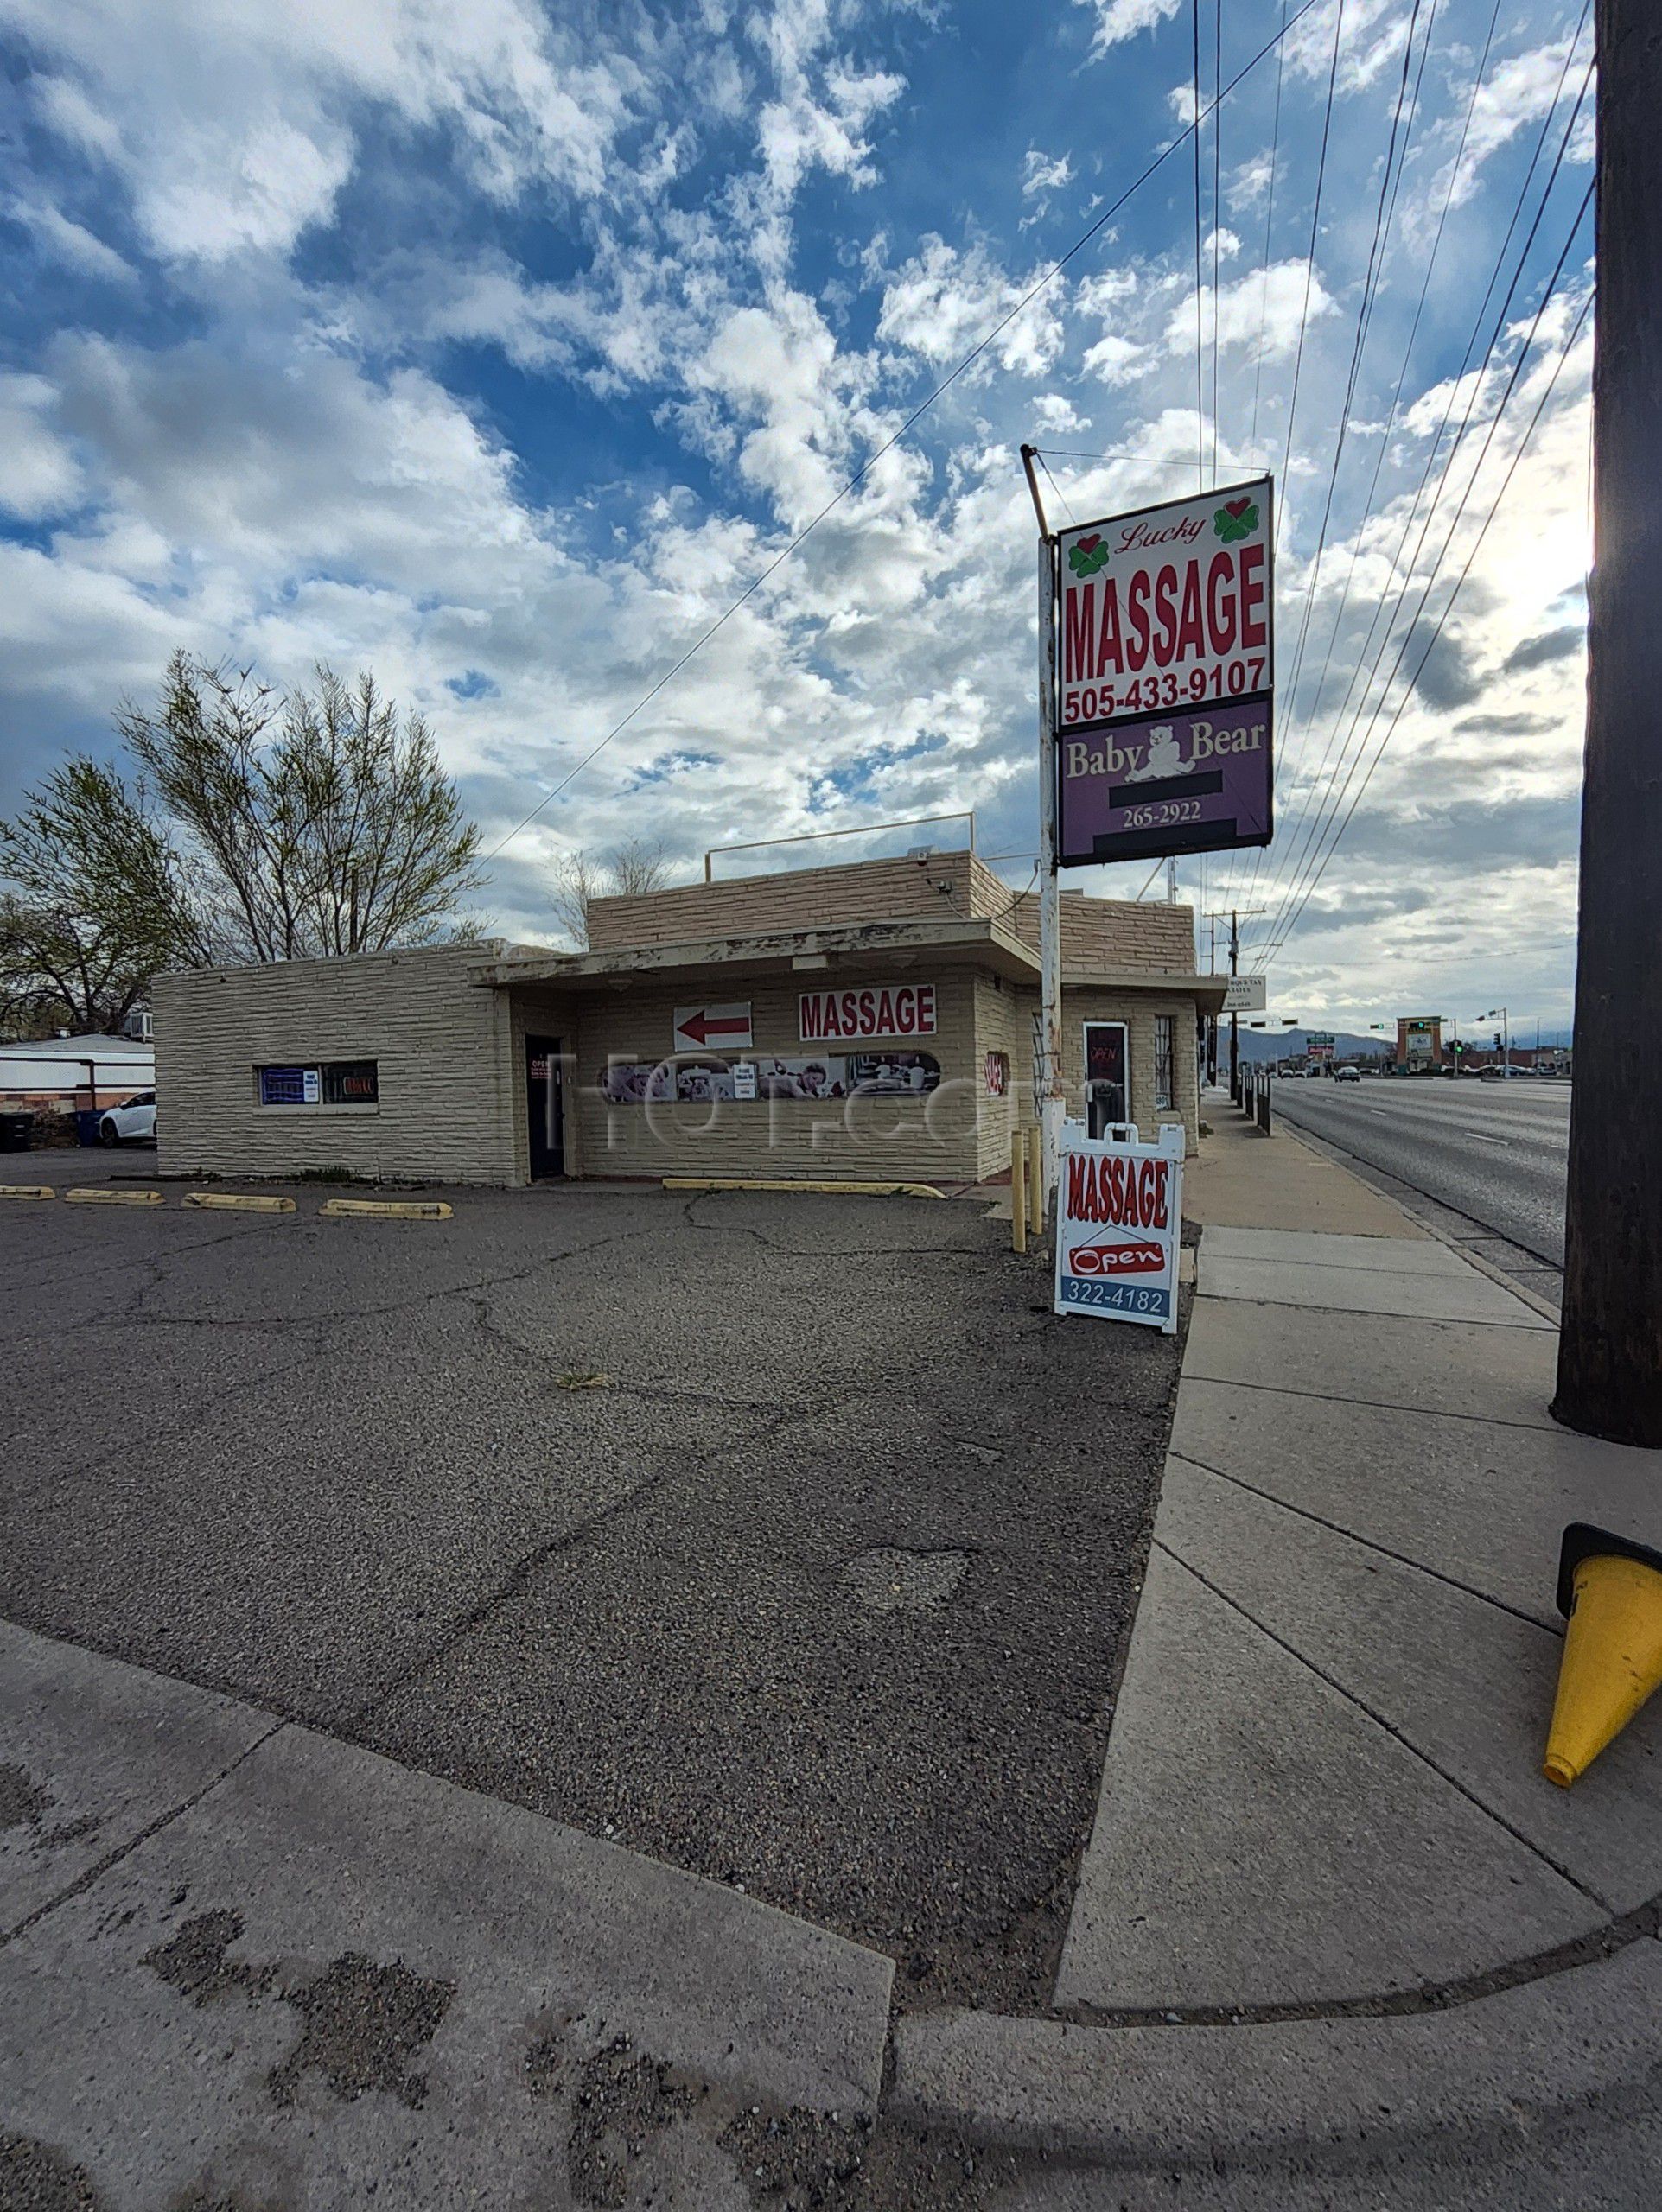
(1165, 673)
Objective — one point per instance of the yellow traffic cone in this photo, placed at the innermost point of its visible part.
(1611, 1591)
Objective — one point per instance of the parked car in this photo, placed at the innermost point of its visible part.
(1347, 1075)
(131, 1123)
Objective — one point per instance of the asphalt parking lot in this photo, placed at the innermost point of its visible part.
(790, 1540)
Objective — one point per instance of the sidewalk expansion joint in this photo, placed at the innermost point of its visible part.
(1369, 1543)
(1390, 1730)
(1531, 1326)
(91, 1876)
(1380, 1405)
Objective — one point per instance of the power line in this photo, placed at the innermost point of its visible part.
(1568, 348)
(1312, 808)
(1269, 221)
(1389, 177)
(1217, 209)
(1293, 890)
(1309, 266)
(1200, 410)
(866, 467)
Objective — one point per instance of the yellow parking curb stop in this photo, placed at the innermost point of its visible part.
(97, 1194)
(26, 1191)
(237, 1202)
(385, 1209)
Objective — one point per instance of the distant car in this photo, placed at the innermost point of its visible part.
(1497, 1075)
(1347, 1075)
(1315, 1069)
(131, 1123)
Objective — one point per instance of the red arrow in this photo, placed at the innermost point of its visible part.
(703, 1026)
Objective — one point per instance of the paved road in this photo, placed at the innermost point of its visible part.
(1494, 1152)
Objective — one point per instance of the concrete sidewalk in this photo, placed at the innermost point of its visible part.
(1329, 1893)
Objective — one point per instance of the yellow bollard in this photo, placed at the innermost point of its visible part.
(1612, 1591)
(1018, 1190)
(1036, 1193)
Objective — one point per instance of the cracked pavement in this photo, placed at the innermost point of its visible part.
(821, 1594)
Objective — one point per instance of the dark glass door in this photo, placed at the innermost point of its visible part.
(544, 1106)
(1107, 1088)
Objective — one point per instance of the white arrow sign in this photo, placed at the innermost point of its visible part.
(702, 1028)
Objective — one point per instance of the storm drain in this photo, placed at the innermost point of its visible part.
(890, 1581)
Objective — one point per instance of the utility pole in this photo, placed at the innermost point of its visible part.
(1610, 1340)
(1052, 1096)
(1234, 1018)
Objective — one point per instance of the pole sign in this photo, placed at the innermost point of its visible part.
(1120, 1211)
(1320, 1045)
(1246, 995)
(1165, 656)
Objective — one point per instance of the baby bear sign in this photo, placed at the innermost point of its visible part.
(1165, 656)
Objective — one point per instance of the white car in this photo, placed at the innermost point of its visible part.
(1347, 1075)
(133, 1120)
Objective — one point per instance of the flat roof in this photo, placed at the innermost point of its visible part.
(980, 942)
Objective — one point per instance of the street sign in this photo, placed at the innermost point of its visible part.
(1165, 656)
(1246, 995)
(1320, 1045)
(744, 1079)
(697, 1028)
(1119, 1211)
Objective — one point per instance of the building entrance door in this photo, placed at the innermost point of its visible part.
(544, 1105)
(1107, 1076)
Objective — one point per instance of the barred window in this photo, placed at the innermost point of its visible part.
(1163, 1067)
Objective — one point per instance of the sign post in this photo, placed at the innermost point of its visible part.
(1120, 1211)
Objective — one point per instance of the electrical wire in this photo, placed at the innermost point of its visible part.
(1293, 886)
(1390, 176)
(1540, 407)
(1312, 813)
(1383, 447)
(1309, 266)
(1269, 224)
(1091, 231)
(1216, 208)
(1200, 349)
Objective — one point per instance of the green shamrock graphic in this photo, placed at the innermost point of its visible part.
(1235, 518)
(1087, 554)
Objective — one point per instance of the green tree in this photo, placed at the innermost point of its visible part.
(319, 825)
(96, 904)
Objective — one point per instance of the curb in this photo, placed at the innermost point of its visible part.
(383, 1209)
(98, 1194)
(235, 1202)
(1159, 2096)
(817, 1190)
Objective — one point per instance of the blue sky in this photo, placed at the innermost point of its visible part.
(501, 347)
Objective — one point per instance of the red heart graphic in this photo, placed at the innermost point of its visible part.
(1236, 508)
(1089, 544)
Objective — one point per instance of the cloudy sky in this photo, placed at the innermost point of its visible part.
(502, 346)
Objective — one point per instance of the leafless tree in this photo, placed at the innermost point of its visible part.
(636, 866)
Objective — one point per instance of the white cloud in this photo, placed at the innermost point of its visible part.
(1055, 413)
(1040, 172)
(1118, 19)
(1268, 301)
(67, 241)
(1116, 360)
(232, 144)
(41, 476)
(944, 301)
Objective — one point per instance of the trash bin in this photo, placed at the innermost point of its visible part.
(86, 1126)
(17, 1132)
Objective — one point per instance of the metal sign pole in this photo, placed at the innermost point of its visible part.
(1051, 1098)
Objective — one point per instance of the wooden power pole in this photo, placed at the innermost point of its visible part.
(1610, 1346)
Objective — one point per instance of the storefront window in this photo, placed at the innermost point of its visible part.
(1162, 1069)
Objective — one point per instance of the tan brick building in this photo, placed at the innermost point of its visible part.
(874, 1021)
